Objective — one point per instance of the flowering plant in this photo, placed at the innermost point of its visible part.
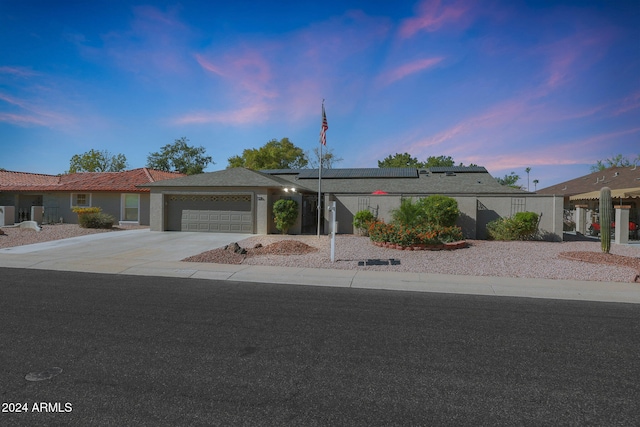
(82, 211)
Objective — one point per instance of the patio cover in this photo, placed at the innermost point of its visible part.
(623, 193)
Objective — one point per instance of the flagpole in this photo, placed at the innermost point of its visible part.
(320, 174)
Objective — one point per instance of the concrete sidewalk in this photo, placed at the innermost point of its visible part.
(148, 253)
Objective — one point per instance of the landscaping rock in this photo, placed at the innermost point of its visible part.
(235, 248)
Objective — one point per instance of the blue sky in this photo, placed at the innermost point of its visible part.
(505, 84)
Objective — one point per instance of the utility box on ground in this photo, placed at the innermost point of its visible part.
(7, 215)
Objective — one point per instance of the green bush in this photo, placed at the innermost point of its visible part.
(285, 212)
(436, 209)
(427, 234)
(96, 220)
(362, 219)
(409, 213)
(439, 210)
(522, 226)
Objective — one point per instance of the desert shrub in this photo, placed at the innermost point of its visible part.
(439, 210)
(362, 219)
(285, 212)
(96, 220)
(522, 226)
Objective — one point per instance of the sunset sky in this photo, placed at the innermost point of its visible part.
(505, 84)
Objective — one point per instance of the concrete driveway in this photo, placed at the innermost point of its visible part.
(141, 243)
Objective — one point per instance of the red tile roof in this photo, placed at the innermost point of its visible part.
(126, 181)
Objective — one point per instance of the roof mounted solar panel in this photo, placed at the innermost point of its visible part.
(457, 169)
(356, 173)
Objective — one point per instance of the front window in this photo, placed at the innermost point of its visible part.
(131, 207)
(81, 200)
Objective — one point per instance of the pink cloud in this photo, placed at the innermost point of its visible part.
(629, 103)
(153, 45)
(408, 69)
(262, 73)
(34, 114)
(18, 71)
(433, 15)
(21, 120)
(570, 56)
(257, 113)
(207, 65)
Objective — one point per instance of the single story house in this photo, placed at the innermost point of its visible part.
(241, 200)
(50, 198)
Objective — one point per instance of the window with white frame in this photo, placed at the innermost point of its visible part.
(130, 207)
(81, 199)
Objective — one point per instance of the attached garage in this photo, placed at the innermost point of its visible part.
(231, 213)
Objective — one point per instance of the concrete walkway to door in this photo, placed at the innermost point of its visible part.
(154, 253)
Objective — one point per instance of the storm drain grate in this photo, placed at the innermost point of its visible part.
(390, 261)
(43, 375)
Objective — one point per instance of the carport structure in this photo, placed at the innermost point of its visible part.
(587, 206)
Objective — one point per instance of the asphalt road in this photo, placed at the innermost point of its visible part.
(163, 351)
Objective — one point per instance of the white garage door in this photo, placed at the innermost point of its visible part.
(220, 213)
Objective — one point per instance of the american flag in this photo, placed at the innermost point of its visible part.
(325, 126)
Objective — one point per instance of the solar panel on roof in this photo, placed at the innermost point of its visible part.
(359, 173)
(455, 169)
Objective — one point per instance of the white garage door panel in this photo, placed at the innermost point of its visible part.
(217, 213)
(216, 221)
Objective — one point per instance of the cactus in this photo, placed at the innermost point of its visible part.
(605, 219)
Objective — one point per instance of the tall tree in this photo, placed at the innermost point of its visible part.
(527, 170)
(404, 160)
(97, 161)
(275, 154)
(180, 157)
(328, 158)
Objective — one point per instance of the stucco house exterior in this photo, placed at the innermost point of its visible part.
(241, 200)
(50, 198)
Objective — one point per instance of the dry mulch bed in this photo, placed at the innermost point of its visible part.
(603, 258)
(228, 256)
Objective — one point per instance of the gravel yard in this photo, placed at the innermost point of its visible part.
(14, 236)
(577, 260)
(567, 260)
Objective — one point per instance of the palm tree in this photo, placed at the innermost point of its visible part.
(535, 184)
(527, 170)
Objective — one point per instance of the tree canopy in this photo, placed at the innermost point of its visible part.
(274, 154)
(610, 162)
(440, 161)
(180, 157)
(406, 160)
(97, 161)
(510, 180)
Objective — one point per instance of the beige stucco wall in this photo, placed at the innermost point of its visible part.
(476, 211)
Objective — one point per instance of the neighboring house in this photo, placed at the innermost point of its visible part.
(624, 182)
(241, 200)
(116, 193)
